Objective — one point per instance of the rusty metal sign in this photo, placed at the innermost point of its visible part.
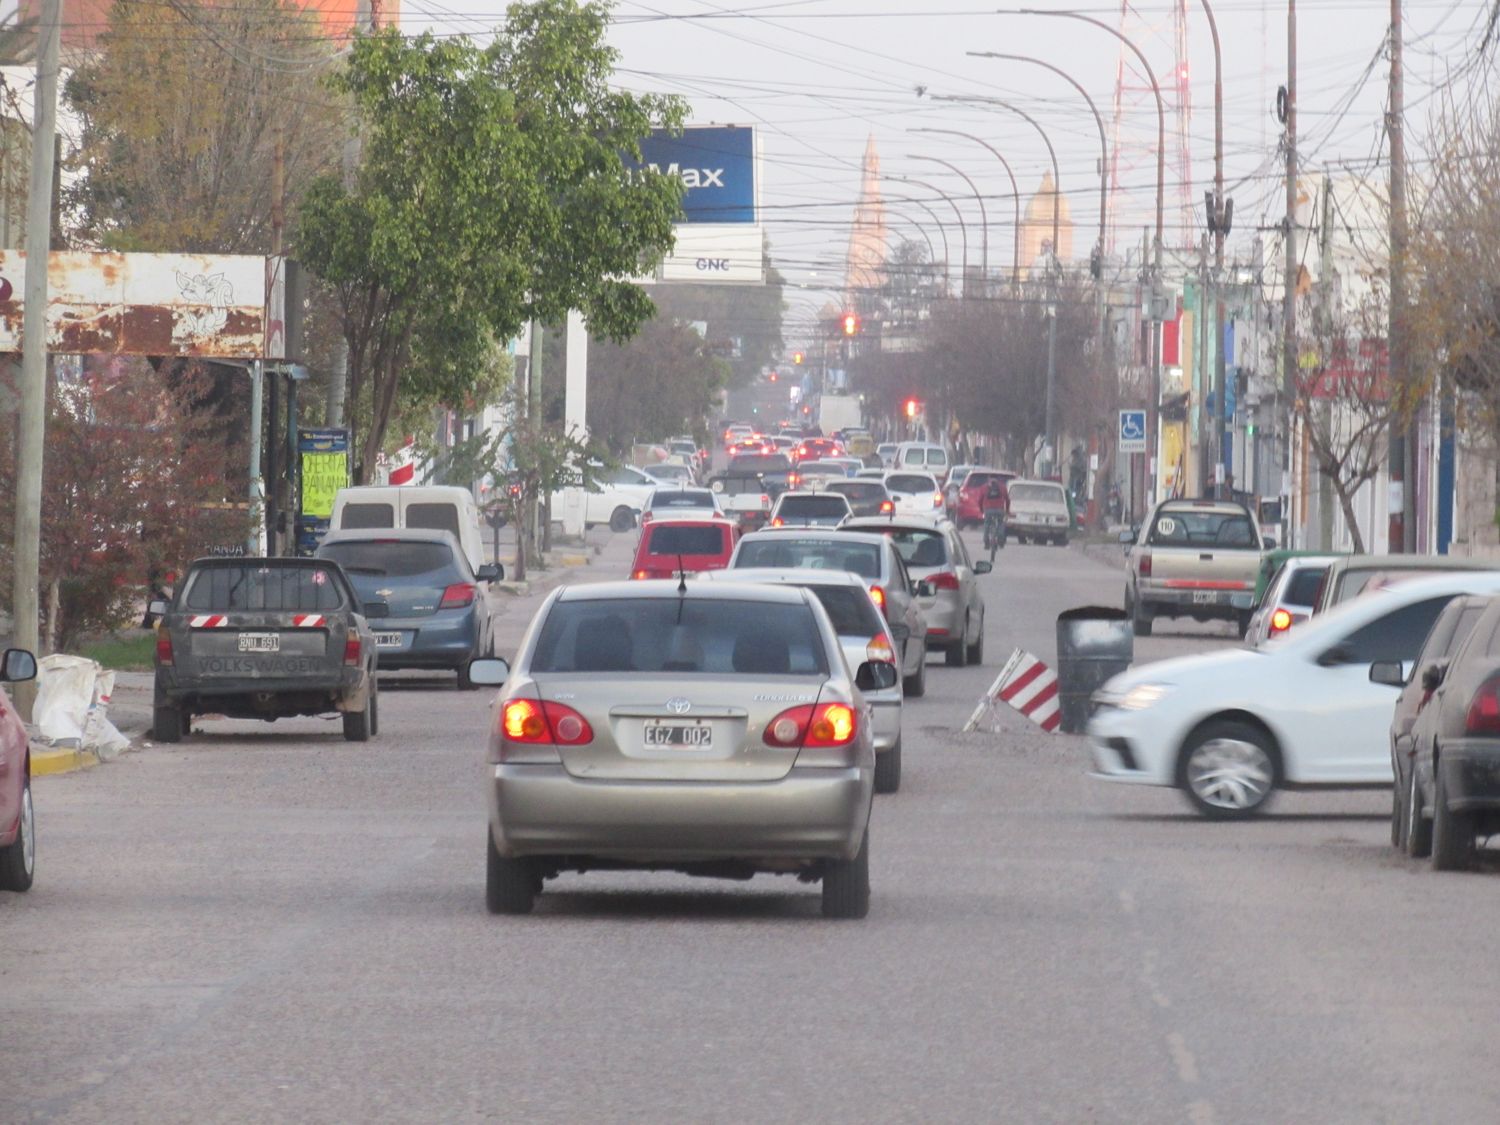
(226, 306)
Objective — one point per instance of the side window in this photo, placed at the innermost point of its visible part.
(898, 568)
(958, 551)
(1396, 636)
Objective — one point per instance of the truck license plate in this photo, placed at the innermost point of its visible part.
(260, 642)
(1204, 597)
(694, 735)
(387, 640)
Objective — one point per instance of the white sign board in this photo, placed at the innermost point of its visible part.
(1131, 435)
(721, 253)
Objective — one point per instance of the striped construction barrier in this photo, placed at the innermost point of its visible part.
(1025, 685)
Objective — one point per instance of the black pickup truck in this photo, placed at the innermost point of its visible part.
(256, 638)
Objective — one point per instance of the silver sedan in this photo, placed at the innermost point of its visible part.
(711, 729)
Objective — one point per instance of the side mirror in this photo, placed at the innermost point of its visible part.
(1333, 657)
(983, 566)
(1127, 538)
(489, 671)
(17, 665)
(490, 572)
(876, 675)
(1267, 543)
(1433, 675)
(377, 608)
(157, 608)
(1388, 672)
(923, 589)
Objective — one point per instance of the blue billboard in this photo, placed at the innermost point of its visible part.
(717, 166)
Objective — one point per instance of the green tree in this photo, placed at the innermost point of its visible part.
(494, 189)
(663, 382)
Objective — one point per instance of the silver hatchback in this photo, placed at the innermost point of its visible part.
(711, 729)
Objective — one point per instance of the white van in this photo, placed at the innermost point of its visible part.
(922, 457)
(432, 507)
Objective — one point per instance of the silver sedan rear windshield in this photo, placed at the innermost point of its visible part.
(686, 636)
(784, 552)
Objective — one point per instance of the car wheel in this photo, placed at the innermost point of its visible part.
(465, 681)
(1418, 827)
(888, 769)
(621, 519)
(1452, 832)
(1228, 769)
(846, 884)
(1061, 541)
(18, 858)
(958, 651)
(357, 723)
(1398, 814)
(510, 885)
(167, 723)
(976, 650)
(374, 708)
(915, 685)
(1242, 623)
(1140, 623)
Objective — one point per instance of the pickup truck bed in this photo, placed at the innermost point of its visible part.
(1194, 558)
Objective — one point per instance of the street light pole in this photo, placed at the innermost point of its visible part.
(1289, 292)
(984, 220)
(1218, 223)
(1015, 191)
(958, 214)
(942, 231)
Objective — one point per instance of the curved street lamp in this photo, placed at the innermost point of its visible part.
(984, 220)
(963, 231)
(1015, 190)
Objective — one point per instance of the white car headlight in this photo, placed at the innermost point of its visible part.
(1142, 696)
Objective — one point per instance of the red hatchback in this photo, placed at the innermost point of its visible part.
(667, 546)
(971, 496)
(816, 448)
(17, 821)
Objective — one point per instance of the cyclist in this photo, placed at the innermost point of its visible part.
(993, 505)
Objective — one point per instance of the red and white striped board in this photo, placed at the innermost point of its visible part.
(307, 620)
(1026, 685)
(207, 621)
(404, 466)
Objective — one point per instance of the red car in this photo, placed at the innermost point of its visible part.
(17, 822)
(816, 448)
(667, 546)
(971, 496)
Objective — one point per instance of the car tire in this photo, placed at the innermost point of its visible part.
(1452, 832)
(1418, 827)
(1228, 769)
(1398, 814)
(621, 519)
(510, 885)
(976, 650)
(846, 884)
(357, 724)
(915, 685)
(1242, 623)
(167, 723)
(1061, 541)
(374, 707)
(1140, 623)
(958, 652)
(465, 681)
(18, 858)
(888, 769)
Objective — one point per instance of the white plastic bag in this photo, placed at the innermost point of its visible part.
(65, 689)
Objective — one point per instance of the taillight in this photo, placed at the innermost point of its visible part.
(353, 650)
(458, 595)
(827, 724)
(877, 595)
(793, 480)
(880, 649)
(1145, 564)
(164, 647)
(646, 516)
(765, 501)
(937, 499)
(1281, 621)
(887, 506)
(641, 574)
(778, 522)
(943, 580)
(1484, 710)
(526, 720)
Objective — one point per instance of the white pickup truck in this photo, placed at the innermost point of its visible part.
(1192, 558)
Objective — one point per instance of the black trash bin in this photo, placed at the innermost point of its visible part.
(1094, 642)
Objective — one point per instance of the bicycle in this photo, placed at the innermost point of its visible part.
(994, 531)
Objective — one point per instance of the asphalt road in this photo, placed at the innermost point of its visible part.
(268, 924)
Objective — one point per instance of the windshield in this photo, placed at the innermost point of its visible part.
(433, 517)
(850, 609)
(910, 482)
(257, 586)
(687, 540)
(1036, 494)
(391, 558)
(789, 551)
(917, 546)
(682, 636)
(793, 505)
(695, 499)
(357, 517)
(771, 463)
(1185, 527)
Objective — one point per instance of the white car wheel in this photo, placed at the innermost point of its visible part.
(1228, 769)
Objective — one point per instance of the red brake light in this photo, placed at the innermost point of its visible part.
(1145, 564)
(164, 647)
(641, 574)
(943, 580)
(1484, 711)
(887, 506)
(458, 595)
(937, 499)
(827, 724)
(778, 522)
(877, 594)
(1281, 621)
(353, 649)
(525, 720)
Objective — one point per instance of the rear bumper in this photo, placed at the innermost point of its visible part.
(439, 641)
(1172, 602)
(810, 814)
(1471, 774)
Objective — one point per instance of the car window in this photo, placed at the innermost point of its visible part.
(393, 558)
(1024, 493)
(433, 517)
(857, 490)
(680, 540)
(357, 517)
(787, 551)
(1443, 637)
(850, 609)
(1303, 585)
(958, 551)
(795, 505)
(1397, 635)
(769, 463)
(683, 636)
(695, 498)
(1181, 527)
(910, 482)
(917, 546)
(257, 587)
(937, 458)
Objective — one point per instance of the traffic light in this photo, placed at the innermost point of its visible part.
(911, 408)
(773, 376)
(851, 324)
(797, 357)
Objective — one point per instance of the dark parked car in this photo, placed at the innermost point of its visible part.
(438, 616)
(265, 638)
(1452, 780)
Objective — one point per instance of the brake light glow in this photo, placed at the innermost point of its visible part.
(943, 580)
(1145, 564)
(877, 595)
(164, 647)
(937, 499)
(880, 649)
(1484, 710)
(827, 724)
(458, 595)
(778, 522)
(526, 720)
(887, 506)
(1281, 621)
(641, 574)
(353, 649)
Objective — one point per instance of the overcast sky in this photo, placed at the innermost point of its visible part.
(818, 77)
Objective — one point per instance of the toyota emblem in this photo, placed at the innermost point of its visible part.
(679, 706)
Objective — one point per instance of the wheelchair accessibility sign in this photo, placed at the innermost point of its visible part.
(1132, 432)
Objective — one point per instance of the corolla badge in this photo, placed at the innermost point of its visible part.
(679, 706)
(385, 593)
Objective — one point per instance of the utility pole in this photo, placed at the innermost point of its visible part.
(33, 415)
(365, 17)
(1289, 291)
(1403, 521)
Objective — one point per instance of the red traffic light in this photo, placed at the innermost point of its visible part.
(851, 324)
(911, 408)
(773, 376)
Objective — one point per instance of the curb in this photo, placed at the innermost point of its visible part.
(44, 762)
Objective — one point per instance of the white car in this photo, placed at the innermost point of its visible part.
(682, 504)
(915, 494)
(1230, 727)
(621, 496)
(1289, 598)
(672, 472)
